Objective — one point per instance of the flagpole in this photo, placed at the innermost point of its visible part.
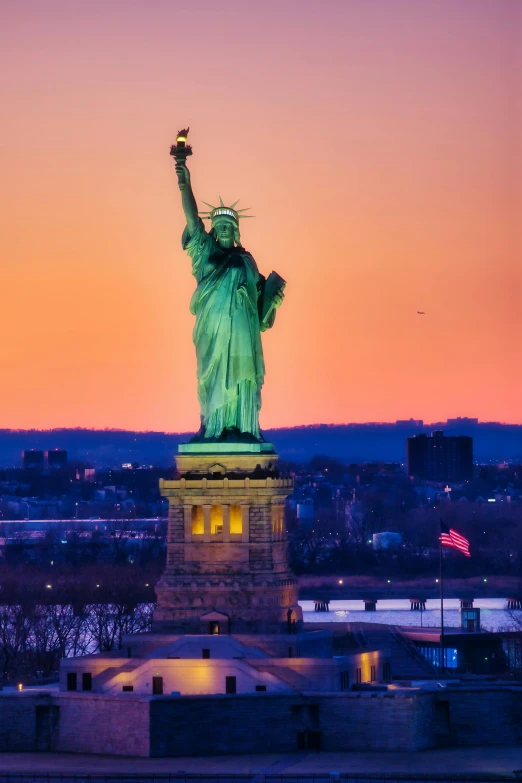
(441, 606)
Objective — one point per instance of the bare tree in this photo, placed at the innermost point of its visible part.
(107, 624)
(15, 635)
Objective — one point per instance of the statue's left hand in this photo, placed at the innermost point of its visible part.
(278, 299)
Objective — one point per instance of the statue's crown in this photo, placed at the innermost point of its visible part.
(224, 211)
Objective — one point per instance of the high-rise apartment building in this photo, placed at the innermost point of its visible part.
(436, 457)
(56, 459)
(33, 459)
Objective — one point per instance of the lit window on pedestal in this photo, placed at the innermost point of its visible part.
(277, 522)
(236, 520)
(216, 520)
(198, 521)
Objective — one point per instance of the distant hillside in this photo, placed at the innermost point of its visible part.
(372, 442)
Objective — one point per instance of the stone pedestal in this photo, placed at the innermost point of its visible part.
(227, 569)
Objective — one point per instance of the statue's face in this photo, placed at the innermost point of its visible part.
(225, 231)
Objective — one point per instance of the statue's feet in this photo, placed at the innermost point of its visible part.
(232, 435)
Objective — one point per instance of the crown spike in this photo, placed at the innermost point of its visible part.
(221, 202)
(209, 205)
(234, 204)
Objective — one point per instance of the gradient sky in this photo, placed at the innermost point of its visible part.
(379, 144)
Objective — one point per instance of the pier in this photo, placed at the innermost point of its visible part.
(322, 605)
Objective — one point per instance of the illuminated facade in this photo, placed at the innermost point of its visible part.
(226, 547)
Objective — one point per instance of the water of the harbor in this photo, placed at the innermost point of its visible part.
(493, 613)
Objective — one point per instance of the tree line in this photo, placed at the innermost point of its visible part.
(63, 612)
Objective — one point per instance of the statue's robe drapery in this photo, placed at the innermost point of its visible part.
(227, 336)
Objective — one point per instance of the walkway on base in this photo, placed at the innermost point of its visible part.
(406, 662)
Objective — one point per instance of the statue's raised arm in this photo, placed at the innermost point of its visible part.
(188, 201)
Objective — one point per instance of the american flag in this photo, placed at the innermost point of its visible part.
(453, 539)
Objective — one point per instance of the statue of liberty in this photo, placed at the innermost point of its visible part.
(233, 303)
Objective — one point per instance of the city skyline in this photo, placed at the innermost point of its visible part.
(379, 148)
(493, 443)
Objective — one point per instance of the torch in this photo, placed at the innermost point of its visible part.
(181, 150)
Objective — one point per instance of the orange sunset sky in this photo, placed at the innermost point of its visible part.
(379, 144)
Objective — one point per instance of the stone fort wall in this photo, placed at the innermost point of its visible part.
(352, 721)
(18, 713)
(192, 725)
(100, 724)
(487, 715)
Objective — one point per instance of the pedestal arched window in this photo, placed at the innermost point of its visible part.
(216, 520)
(236, 520)
(197, 521)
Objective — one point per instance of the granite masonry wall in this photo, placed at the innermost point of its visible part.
(376, 721)
(259, 723)
(486, 715)
(117, 726)
(19, 714)
(243, 574)
(275, 724)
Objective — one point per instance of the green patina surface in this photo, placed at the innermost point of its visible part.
(233, 303)
(226, 448)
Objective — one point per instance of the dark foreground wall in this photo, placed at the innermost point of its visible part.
(18, 718)
(482, 716)
(278, 724)
(207, 725)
